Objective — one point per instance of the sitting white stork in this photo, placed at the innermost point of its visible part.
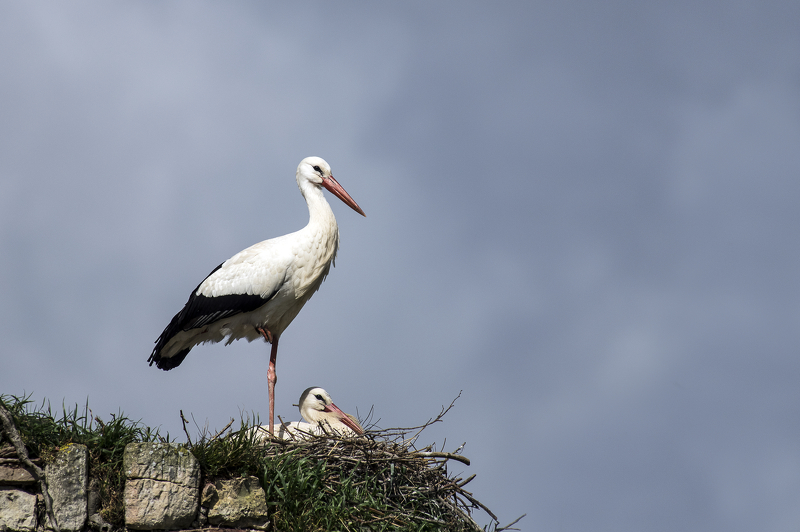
(316, 407)
(259, 291)
(324, 417)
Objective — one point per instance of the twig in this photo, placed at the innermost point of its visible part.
(437, 419)
(464, 483)
(449, 456)
(16, 440)
(184, 421)
(509, 525)
(217, 435)
(478, 503)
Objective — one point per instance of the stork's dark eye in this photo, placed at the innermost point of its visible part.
(319, 398)
(318, 170)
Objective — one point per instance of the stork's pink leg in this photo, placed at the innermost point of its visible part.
(272, 377)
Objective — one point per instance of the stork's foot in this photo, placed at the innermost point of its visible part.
(265, 333)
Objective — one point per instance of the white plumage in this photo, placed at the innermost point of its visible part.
(316, 407)
(260, 290)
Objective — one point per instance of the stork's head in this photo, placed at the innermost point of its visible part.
(316, 406)
(316, 171)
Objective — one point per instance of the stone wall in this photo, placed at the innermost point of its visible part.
(162, 492)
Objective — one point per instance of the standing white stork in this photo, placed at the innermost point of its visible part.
(259, 291)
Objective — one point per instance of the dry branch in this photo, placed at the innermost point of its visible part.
(10, 430)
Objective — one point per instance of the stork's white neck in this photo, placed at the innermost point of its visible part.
(321, 241)
(320, 214)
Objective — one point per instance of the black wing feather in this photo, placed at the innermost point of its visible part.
(198, 312)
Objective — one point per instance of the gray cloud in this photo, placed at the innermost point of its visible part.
(581, 216)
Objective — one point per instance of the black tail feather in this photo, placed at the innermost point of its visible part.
(168, 363)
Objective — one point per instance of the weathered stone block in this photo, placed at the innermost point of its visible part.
(238, 503)
(17, 510)
(162, 487)
(155, 505)
(161, 461)
(13, 472)
(67, 482)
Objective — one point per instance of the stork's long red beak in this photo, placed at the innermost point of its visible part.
(344, 418)
(337, 190)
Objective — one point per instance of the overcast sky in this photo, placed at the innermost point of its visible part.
(584, 216)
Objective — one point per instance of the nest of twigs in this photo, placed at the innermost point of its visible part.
(413, 484)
